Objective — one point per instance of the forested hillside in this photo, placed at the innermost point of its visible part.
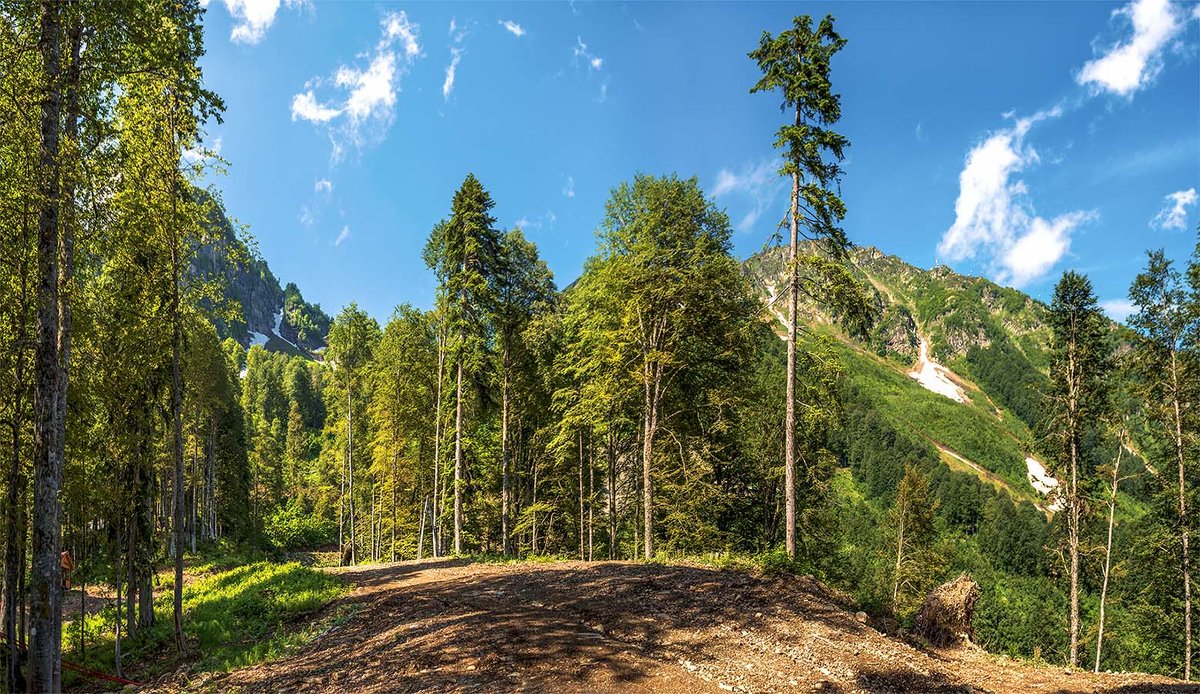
(815, 409)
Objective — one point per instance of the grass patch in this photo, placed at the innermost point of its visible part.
(232, 618)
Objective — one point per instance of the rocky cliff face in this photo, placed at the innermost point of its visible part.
(254, 308)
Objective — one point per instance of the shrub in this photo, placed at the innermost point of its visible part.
(291, 529)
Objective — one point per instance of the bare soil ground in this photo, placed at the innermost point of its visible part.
(451, 625)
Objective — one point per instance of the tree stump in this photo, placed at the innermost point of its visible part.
(945, 618)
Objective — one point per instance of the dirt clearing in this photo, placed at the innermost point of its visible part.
(451, 625)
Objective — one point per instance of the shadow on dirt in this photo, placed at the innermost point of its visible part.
(580, 626)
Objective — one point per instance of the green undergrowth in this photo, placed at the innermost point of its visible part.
(232, 617)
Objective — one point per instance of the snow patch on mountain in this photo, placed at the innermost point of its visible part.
(257, 338)
(935, 377)
(278, 329)
(1043, 482)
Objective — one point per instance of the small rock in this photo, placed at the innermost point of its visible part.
(860, 617)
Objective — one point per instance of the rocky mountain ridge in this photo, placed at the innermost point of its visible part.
(255, 308)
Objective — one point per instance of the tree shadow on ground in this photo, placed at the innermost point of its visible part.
(599, 626)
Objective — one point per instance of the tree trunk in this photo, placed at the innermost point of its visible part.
(612, 499)
(176, 413)
(350, 469)
(650, 427)
(435, 527)
(504, 503)
(591, 500)
(45, 633)
(900, 503)
(1073, 503)
(582, 556)
(789, 422)
(395, 483)
(1183, 523)
(458, 462)
(1112, 509)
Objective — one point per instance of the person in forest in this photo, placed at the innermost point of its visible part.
(68, 565)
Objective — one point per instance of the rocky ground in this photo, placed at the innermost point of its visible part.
(451, 625)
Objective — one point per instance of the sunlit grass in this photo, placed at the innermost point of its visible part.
(232, 618)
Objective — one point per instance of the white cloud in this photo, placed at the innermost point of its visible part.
(757, 185)
(396, 26)
(512, 27)
(323, 185)
(345, 234)
(451, 69)
(202, 152)
(252, 18)
(569, 188)
(372, 92)
(1173, 215)
(366, 96)
(994, 216)
(1130, 65)
(307, 218)
(1118, 309)
(456, 54)
(1043, 244)
(306, 107)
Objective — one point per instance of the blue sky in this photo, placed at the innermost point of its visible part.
(1012, 140)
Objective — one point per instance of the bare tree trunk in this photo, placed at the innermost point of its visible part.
(420, 534)
(789, 423)
(612, 498)
(533, 534)
(504, 502)
(435, 524)
(1112, 509)
(650, 427)
(350, 467)
(14, 540)
(591, 501)
(458, 462)
(1073, 503)
(117, 641)
(582, 556)
(45, 634)
(899, 551)
(1183, 523)
(176, 407)
(342, 511)
(395, 483)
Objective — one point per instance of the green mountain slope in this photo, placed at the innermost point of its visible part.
(975, 397)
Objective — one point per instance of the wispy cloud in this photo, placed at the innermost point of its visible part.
(457, 36)
(323, 186)
(569, 187)
(1174, 213)
(756, 187)
(1129, 65)
(342, 236)
(365, 96)
(995, 220)
(581, 52)
(252, 18)
(547, 219)
(512, 27)
(1118, 309)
